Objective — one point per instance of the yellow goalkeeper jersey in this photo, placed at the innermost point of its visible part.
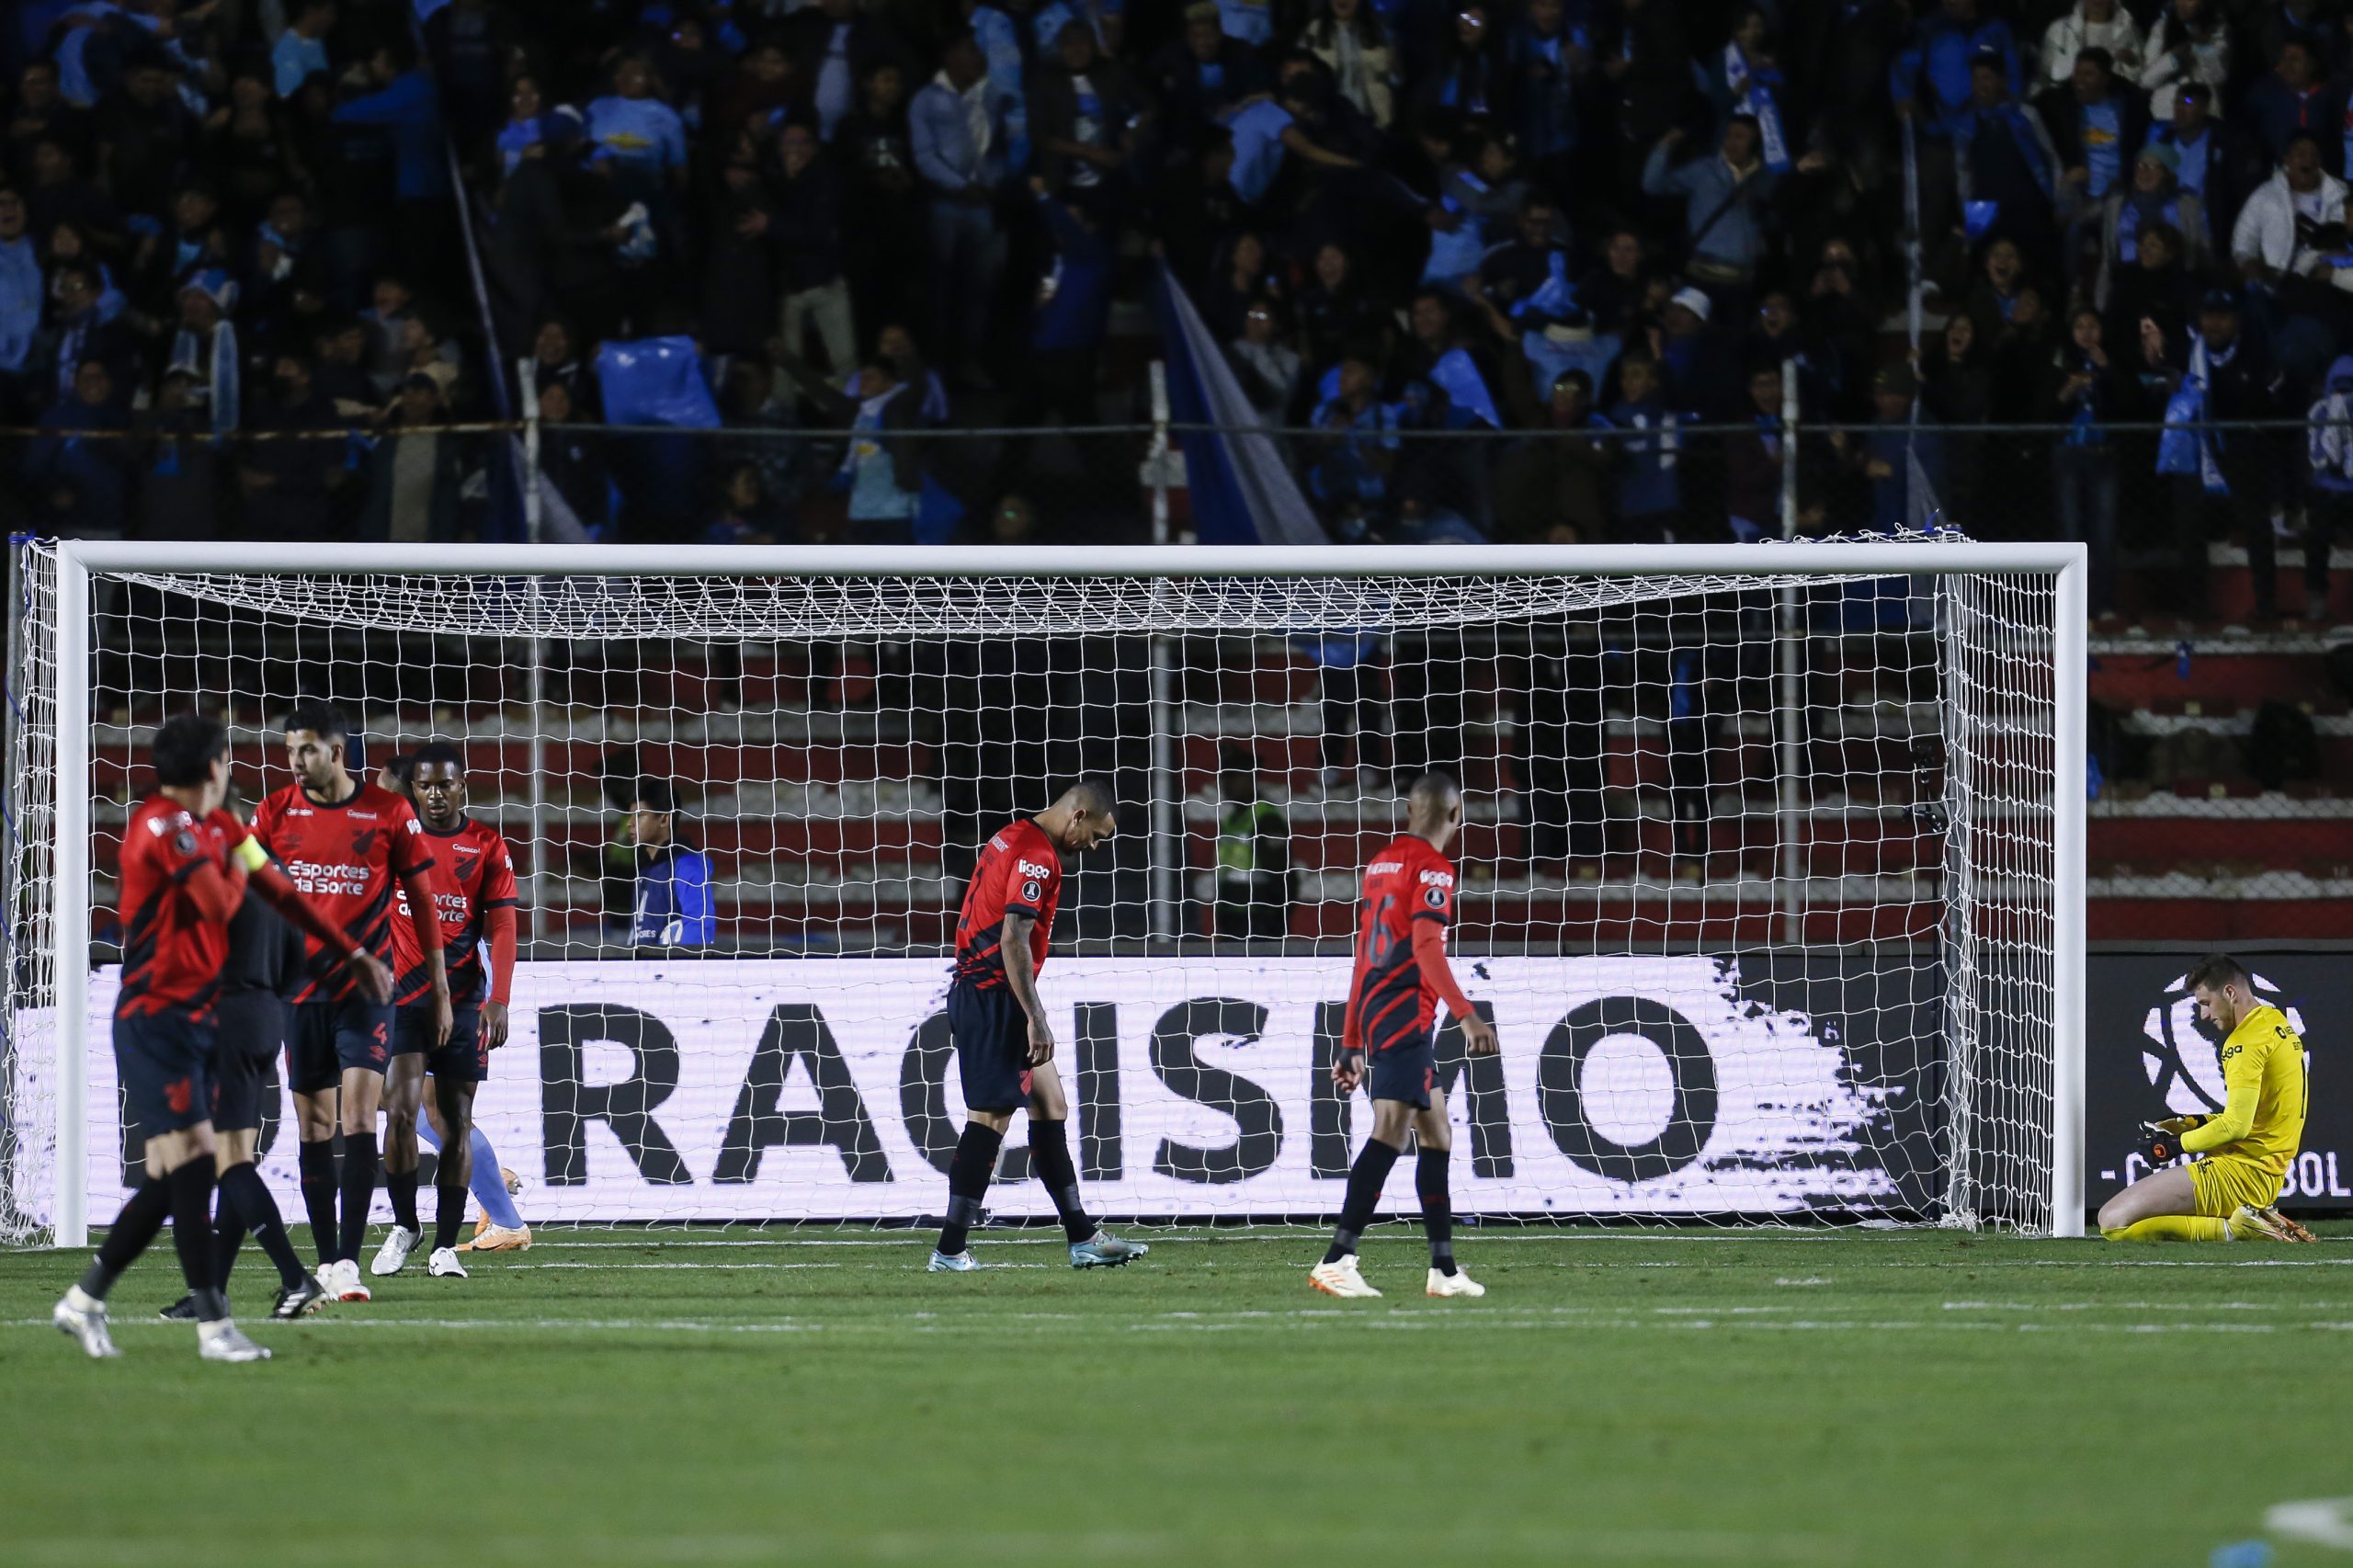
(2263, 1119)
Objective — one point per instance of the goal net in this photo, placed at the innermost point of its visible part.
(1770, 879)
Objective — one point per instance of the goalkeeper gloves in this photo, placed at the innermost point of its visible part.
(2160, 1141)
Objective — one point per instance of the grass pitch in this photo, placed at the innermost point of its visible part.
(633, 1397)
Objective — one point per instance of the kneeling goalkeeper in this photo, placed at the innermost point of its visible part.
(2230, 1193)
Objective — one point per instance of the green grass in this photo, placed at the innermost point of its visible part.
(648, 1398)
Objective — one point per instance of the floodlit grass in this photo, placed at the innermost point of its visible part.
(753, 1396)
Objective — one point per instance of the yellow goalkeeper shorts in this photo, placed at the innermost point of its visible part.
(2222, 1182)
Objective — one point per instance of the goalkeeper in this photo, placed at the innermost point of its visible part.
(2228, 1195)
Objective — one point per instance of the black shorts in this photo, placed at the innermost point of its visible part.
(1404, 1069)
(991, 1034)
(164, 1062)
(465, 1060)
(250, 1026)
(329, 1038)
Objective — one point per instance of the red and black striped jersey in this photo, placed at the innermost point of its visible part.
(472, 871)
(347, 856)
(1391, 999)
(174, 947)
(1019, 873)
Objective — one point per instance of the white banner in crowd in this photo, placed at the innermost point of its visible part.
(825, 1088)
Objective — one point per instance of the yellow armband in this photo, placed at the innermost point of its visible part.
(251, 856)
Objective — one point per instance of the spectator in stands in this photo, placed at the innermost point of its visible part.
(2220, 478)
(301, 51)
(882, 199)
(807, 227)
(79, 334)
(2095, 125)
(1353, 43)
(2090, 388)
(2154, 196)
(2295, 95)
(179, 465)
(81, 476)
(1956, 386)
(2093, 24)
(1901, 444)
(2216, 164)
(416, 472)
(521, 132)
(575, 496)
(1253, 854)
(1554, 490)
(21, 290)
(673, 906)
(1201, 74)
(740, 261)
(1072, 315)
(1350, 467)
(2328, 505)
(747, 513)
(1753, 462)
(958, 129)
(2006, 167)
(2189, 41)
(1724, 204)
(1337, 312)
(1268, 367)
(1084, 112)
(287, 482)
(405, 103)
(1649, 491)
(645, 136)
(249, 146)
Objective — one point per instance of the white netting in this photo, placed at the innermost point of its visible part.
(1755, 876)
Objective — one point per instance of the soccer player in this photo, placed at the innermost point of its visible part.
(185, 867)
(475, 897)
(2229, 1196)
(346, 843)
(1005, 1047)
(499, 1227)
(1392, 1017)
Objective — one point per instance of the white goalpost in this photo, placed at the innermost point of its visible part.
(1772, 877)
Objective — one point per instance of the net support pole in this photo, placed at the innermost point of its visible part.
(1786, 654)
(1167, 815)
(70, 927)
(2070, 669)
(535, 679)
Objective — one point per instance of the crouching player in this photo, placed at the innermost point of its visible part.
(473, 889)
(1392, 1017)
(2230, 1193)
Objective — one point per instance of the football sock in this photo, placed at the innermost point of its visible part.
(1365, 1180)
(358, 1190)
(487, 1183)
(318, 1196)
(2173, 1228)
(400, 1187)
(1437, 1209)
(133, 1228)
(1050, 1153)
(227, 1235)
(968, 1182)
(191, 1201)
(448, 1215)
(257, 1211)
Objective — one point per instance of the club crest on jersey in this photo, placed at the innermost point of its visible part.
(364, 843)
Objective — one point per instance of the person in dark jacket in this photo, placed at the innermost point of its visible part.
(79, 475)
(1200, 73)
(2216, 162)
(805, 224)
(179, 462)
(673, 908)
(287, 482)
(2089, 389)
(1753, 462)
(739, 261)
(1084, 113)
(2228, 488)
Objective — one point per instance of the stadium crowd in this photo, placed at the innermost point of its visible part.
(1589, 225)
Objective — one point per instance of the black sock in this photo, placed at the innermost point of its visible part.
(227, 1235)
(968, 1182)
(448, 1215)
(1365, 1180)
(400, 1187)
(142, 1216)
(242, 1188)
(318, 1196)
(358, 1190)
(1437, 1209)
(1049, 1156)
(191, 1196)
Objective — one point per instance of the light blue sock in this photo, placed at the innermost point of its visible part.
(488, 1186)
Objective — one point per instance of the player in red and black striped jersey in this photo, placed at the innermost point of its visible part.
(1390, 1024)
(346, 844)
(1004, 1046)
(186, 864)
(473, 876)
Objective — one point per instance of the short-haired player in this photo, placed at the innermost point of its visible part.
(186, 863)
(1389, 1037)
(474, 897)
(346, 843)
(2232, 1193)
(1004, 1043)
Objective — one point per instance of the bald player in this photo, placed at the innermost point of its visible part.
(1389, 1037)
(1005, 1045)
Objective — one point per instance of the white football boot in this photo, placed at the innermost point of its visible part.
(395, 1250)
(1455, 1284)
(1340, 1278)
(444, 1264)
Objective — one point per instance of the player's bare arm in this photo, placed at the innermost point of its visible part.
(1024, 986)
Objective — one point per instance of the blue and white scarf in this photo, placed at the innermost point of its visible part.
(2188, 408)
(1752, 90)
